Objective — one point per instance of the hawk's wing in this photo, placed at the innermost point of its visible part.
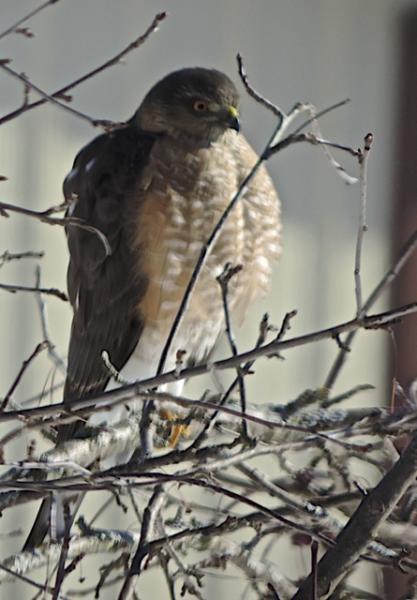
(104, 289)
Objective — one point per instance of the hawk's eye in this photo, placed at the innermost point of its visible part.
(200, 106)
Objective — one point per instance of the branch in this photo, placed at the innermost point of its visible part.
(138, 389)
(12, 289)
(31, 14)
(257, 570)
(109, 63)
(405, 253)
(353, 539)
(9, 256)
(142, 551)
(52, 353)
(362, 227)
(255, 94)
(38, 349)
(103, 123)
(45, 217)
(228, 273)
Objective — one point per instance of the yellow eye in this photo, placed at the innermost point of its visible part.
(200, 106)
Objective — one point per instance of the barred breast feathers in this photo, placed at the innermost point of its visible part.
(182, 195)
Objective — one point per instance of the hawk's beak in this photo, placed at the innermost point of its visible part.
(233, 118)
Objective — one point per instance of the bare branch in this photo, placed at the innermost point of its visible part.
(9, 256)
(104, 124)
(373, 510)
(228, 273)
(15, 28)
(406, 251)
(34, 290)
(362, 227)
(148, 523)
(38, 349)
(44, 217)
(52, 353)
(108, 63)
(254, 94)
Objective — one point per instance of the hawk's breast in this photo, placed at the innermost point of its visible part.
(181, 196)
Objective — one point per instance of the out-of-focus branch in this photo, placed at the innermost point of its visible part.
(101, 445)
(25, 562)
(260, 571)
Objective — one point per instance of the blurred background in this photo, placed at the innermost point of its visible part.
(294, 50)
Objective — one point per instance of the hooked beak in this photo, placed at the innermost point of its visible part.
(233, 118)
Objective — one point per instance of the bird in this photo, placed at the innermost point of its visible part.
(155, 188)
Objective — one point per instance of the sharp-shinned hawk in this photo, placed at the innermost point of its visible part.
(155, 188)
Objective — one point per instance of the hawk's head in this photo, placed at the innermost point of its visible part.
(195, 101)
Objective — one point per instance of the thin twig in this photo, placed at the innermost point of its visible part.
(325, 145)
(264, 328)
(224, 279)
(309, 138)
(27, 580)
(405, 253)
(9, 256)
(321, 113)
(105, 571)
(254, 93)
(362, 226)
(149, 516)
(38, 349)
(103, 123)
(108, 63)
(53, 355)
(45, 217)
(34, 290)
(29, 15)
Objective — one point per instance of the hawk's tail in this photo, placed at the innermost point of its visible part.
(40, 526)
(55, 516)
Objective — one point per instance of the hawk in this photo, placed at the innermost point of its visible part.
(156, 188)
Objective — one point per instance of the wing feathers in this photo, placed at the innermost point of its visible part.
(105, 291)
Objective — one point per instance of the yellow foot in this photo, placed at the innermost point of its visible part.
(177, 430)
